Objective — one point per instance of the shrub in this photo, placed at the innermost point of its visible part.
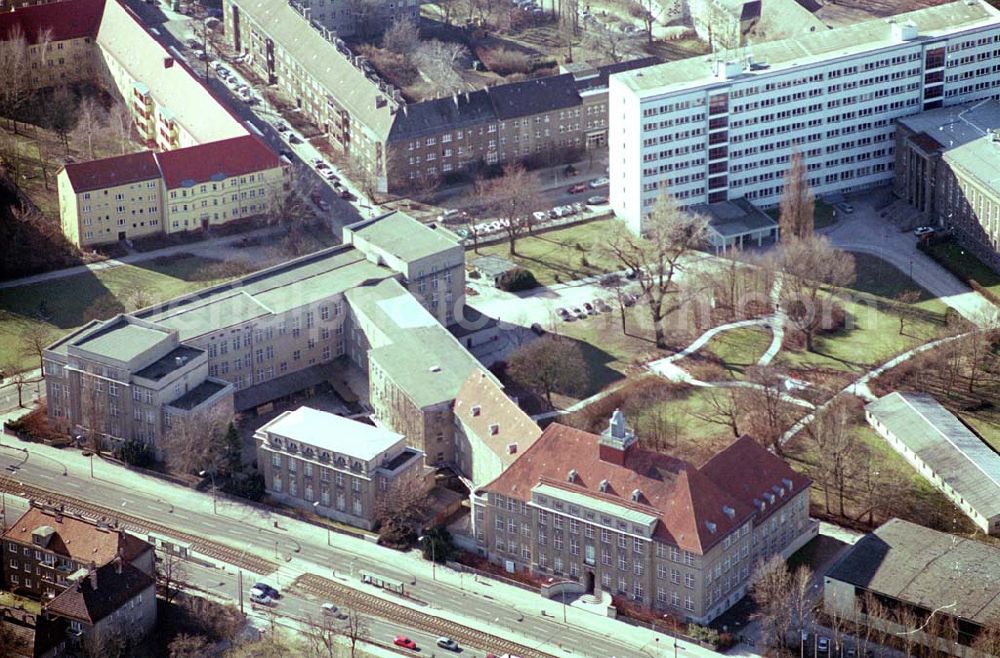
(517, 279)
(438, 545)
(503, 61)
(397, 534)
(134, 453)
(703, 634)
(246, 485)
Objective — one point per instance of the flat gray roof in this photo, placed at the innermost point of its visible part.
(327, 431)
(403, 236)
(945, 444)
(812, 48)
(275, 290)
(978, 159)
(956, 125)
(732, 219)
(121, 340)
(413, 349)
(927, 568)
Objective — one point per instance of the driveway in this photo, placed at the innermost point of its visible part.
(866, 232)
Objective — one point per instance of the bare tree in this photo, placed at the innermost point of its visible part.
(366, 14)
(811, 266)
(196, 442)
(648, 11)
(617, 284)
(549, 365)
(771, 584)
(655, 259)
(447, 7)
(438, 65)
(122, 127)
(987, 642)
(170, 574)
(798, 204)
(903, 301)
(59, 115)
(321, 636)
(402, 37)
(834, 432)
(509, 198)
(16, 377)
(90, 120)
(188, 646)
(93, 412)
(722, 407)
(355, 630)
(15, 71)
(613, 44)
(763, 407)
(35, 337)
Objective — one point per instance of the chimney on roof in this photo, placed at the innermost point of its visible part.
(616, 441)
(93, 576)
(168, 62)
(454, 97)
(511, 448)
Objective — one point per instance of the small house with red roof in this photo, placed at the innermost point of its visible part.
(648, 527)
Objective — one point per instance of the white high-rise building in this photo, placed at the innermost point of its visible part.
(714, 128)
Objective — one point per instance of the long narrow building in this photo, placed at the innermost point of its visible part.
(710, 129)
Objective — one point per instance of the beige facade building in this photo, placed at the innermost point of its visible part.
(141, 194)
(337, 466)
(398, 144)
(491, 431)
(947, 165)
(653, 529)
(273, 333)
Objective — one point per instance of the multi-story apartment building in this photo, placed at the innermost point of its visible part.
(947, 166)
(340, 467)
(491, 431)
(708, 130)
(399, 144)
(45, 546)
(278, 331)
(648, 527)
(141, 194)
(57, 44)
(344, 18)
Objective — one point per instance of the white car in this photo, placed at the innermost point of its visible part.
(598, 182)
(921, 231)
(328, 174)
(540, 215)
(261, 597)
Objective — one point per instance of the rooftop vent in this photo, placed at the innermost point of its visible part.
(603, 486)
(572, 475)
(729, 511)
(168, 62)
(494, 429)
(903, 31)
(511, 448)
(476, 410)
(728, 70)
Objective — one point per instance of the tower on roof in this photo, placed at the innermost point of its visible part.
(616, 440)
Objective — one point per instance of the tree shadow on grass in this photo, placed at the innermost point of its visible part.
(62, 303)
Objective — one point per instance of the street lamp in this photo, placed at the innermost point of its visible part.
(316, 508)
(425, 538)
(214, 500)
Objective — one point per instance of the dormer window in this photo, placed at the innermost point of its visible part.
(729, 511)
(476, 410)
(494, 429)
(571, 476)
(603, 486)
(636, 495)
(711, 527)
(787, 483)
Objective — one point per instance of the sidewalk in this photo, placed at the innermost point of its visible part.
(209, 248)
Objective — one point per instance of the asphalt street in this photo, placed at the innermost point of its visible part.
(305, 550)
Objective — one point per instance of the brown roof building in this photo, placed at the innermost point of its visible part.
(491, 430)
(44, 546)
(645, 526)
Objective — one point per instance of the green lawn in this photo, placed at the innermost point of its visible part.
(988, 426)
(823, 216)
(871, 338)
(966, 263)
(558, 256)
(878, 277)
(739, 348)
(66, 300)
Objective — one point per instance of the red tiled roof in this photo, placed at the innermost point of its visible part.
(746, 471)
(687, 499)
(99, 593)
(495, 408)
(110, 172)
(215, 160)
(69, 19)
(75, 538)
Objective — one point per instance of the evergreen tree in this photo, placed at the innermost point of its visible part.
(234, 450)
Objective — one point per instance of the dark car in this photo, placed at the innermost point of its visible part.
(576, 189)
(294, 139)
(570, 170)
(267, 589)
(538, 329)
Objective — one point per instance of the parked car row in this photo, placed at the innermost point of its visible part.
(443, 642)
(584, 310)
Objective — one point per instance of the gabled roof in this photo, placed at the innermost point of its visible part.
(690, 503)
(215, 161)
(748, 472)
(100, 593)
(482, 404)
(69, 19)
(442, 114)
(534, 96)
(75, 538)
(112, 172)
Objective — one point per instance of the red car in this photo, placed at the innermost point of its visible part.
(579, 187)
(405, 642)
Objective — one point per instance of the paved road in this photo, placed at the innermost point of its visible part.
(866, 232)
(302, 548)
